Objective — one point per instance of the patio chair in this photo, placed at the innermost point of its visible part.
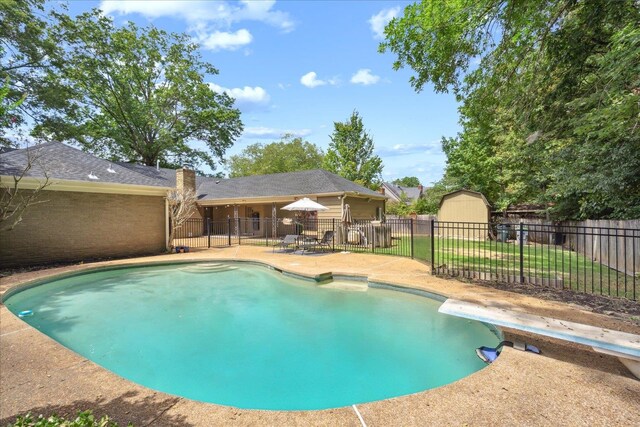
(325, 242)
(286, 242)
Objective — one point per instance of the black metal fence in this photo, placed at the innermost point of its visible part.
(393, 237)
(598, 260)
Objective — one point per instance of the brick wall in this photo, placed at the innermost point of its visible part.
(73, 226)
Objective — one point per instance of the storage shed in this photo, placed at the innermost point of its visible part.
(465, 206)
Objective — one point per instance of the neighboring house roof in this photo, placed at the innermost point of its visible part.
(59, 161)
(475, 193)
(62, 162)
(395, 191)
(316, 181)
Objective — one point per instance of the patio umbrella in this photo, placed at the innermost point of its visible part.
(306, 205)
(346, 215)
(346, 222)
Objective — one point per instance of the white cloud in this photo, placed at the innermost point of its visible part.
(219, 12)
(220, 40)
(271, 133)
(381, 19)
(364, 77)
(311, 80)
(261, 11)
(245, 95)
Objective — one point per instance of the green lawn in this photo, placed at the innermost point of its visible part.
(542, 264)
(548, 264)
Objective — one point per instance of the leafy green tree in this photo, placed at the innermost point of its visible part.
(549, 93)
(398, 208)
(138, 94)
(7, 106)
(407, 181)
(26, 51)
(290, 154)
(350, 153)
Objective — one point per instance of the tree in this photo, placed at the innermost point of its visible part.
(8, 107)
(290, 154)
(138, 94)
(549, 93)
(26, 51)
(398, 208)
(14, 201)
(181, 204)
(407, 181)
(350, 153)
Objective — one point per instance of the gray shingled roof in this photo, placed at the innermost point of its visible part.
(412, 193)
(60, 161)
(316, 181)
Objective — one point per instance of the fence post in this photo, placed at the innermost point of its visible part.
(208, 232)
(520, 238)
(238, 230)
(229, 229)
(333, 228)
(373, 238)
(411, 223)
(433, 247)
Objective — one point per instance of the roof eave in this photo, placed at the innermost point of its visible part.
(55, 184)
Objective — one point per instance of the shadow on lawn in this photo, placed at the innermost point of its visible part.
(124, 409)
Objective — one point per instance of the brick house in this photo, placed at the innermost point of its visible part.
(94, 208)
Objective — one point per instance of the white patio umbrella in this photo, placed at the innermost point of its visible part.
(306, 205)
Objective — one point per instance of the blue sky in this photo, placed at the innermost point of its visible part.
(300, 66)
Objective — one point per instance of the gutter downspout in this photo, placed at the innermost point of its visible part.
(166, 224)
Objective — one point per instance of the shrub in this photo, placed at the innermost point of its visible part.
(83, 419)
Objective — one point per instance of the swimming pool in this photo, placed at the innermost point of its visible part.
(248, 336)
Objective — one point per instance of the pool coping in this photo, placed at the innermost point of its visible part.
(370, 411)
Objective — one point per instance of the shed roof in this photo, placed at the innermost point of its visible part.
(475, 193)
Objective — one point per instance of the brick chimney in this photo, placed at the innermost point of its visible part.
(420, 188)
(185, 180)
(381, 190)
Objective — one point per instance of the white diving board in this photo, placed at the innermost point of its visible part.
(623, 345)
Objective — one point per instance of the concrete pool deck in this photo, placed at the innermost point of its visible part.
(568, 385)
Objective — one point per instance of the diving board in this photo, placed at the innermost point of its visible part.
(623, 345)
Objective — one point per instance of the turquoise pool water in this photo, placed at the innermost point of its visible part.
(251, 337)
